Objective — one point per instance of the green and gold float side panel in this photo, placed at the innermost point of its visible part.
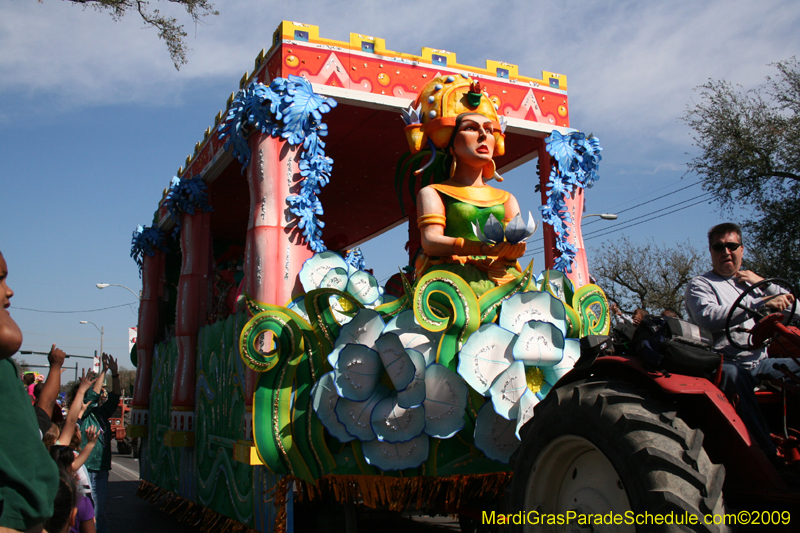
(163, 462)
(223, 484)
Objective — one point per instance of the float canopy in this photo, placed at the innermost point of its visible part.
(366, 140)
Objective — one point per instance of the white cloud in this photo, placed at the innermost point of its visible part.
(631, 65)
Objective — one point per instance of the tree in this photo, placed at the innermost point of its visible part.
(168, 28)
(750, 155)
(648, 275)
(127, 379)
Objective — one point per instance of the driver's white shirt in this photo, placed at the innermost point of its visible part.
(709, 298)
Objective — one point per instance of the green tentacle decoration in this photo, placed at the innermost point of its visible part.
(254, 306)
(490, 301)
(462, 316)
(408, 288)
(273, 422)
(323, 322)
(591, 303)
(254, 332)
(574, 321)
(309, 432)
(559, 285)
(391, 309)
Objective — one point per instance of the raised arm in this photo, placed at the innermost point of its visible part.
(115, 385)
(101, 377)
(47, 398)
(91, 440)
(75, 409)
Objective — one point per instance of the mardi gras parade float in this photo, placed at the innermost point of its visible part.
(273, 370)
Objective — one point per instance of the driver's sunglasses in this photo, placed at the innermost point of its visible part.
(720, 246)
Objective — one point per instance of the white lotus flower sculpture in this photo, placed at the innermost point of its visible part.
(384, 393)
(515, 231)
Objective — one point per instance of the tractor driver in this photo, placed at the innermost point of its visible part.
(709, 298)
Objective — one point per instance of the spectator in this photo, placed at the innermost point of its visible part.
(84, 517)
(64, 505)
(670, 313)
(75, 397)
(29, 477)
(97, 415)
(29, 380)
(635, 318)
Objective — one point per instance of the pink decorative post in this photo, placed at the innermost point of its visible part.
(190, 316)
(275, 251)
(580, 267)
(545, 164)
(152, 291)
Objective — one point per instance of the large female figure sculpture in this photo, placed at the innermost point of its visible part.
(456, 116)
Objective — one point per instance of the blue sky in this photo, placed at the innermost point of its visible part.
(95, 121)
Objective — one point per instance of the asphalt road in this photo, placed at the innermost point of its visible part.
(129, 514)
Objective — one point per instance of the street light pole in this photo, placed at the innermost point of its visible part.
(104, 285)
(101, 329)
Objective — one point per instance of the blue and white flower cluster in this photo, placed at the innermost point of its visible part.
(387, 390)
(287, 108)
(578, 159)
(515, 363)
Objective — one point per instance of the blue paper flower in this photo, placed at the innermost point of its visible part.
(146, 241)
(184, 196)
(287, 108)
(577, 159)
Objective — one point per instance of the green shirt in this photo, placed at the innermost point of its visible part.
(97, 416)
(28, 476)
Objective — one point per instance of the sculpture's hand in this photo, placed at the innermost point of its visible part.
(507, 250)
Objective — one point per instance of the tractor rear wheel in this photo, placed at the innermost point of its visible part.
(596, 447)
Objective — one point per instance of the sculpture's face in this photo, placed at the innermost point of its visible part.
(474, 142)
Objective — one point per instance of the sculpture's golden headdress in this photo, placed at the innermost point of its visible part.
(438, 105)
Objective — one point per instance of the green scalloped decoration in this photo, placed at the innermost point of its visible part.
(490, 300)
(461, 317)
(591, 303)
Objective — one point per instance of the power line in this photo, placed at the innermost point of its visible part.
(623, 225)
(614, 230)
(632, 222)
(652, 200)
(705, 200)
(80, 338)
(69, 312)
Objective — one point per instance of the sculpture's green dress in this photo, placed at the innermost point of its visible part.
(464, 206)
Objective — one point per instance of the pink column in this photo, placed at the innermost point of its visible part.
(274, 254)
(580, 267)
(574, 204)
(152, 291)
(190, 316)
(545, 163)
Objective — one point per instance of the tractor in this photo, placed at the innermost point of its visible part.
(623, 445)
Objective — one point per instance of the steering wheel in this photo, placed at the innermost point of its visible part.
(764, 328)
